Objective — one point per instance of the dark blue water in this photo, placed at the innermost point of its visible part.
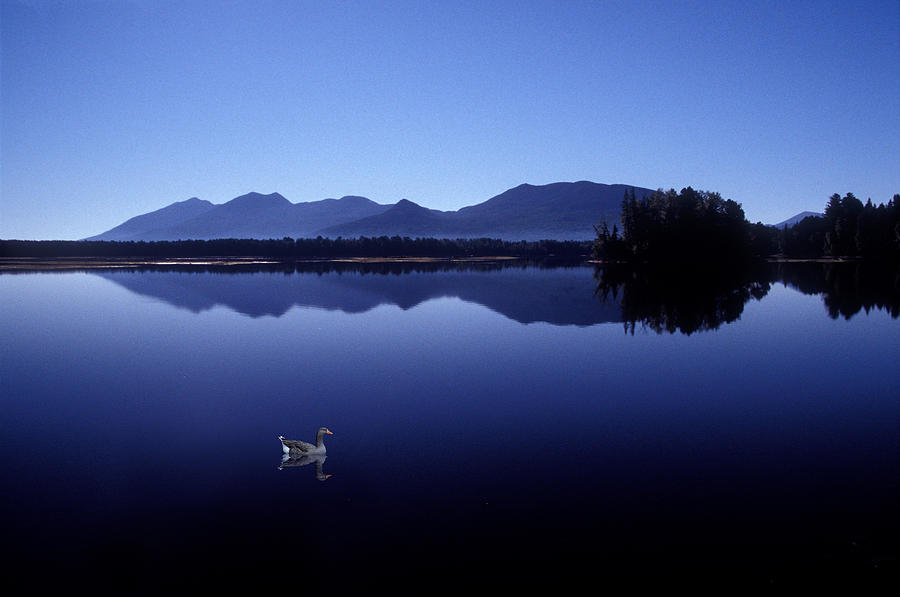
(505, 425)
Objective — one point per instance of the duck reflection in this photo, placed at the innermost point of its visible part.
(288, 461)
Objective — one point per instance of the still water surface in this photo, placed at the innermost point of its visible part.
(508, 425)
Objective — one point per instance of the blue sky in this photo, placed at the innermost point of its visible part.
(115, 108)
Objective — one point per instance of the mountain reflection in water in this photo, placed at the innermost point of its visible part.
(525, 293)
(662, 300)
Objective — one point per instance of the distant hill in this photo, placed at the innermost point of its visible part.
(404, 218)
(798, 218)
(562, 210)
(249, 216)
(168, 216)
(565, 210)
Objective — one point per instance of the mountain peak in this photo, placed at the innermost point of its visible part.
(258, 199)
(193, 201)
(405, 206)
(796, 219)
(356, 199)
(170, 215)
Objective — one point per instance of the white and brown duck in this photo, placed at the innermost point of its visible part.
(295, 447)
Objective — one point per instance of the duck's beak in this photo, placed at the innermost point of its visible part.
(329, 432)
(327, 477)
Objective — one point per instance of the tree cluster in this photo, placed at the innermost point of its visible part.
(850, 228)
(700, 226)
(676, 226)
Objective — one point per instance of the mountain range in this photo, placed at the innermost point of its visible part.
(562, 210)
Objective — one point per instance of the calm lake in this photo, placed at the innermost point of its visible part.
(516, 426)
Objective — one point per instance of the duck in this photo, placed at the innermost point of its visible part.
(294, 447)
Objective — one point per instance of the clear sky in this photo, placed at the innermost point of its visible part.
(113, 108)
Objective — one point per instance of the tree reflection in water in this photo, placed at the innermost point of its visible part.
(691, 299)
(846, 288)
(683, 300)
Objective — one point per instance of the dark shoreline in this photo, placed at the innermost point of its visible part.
(80, 263)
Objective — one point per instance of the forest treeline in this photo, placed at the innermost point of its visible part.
(850, 228)
(300, 248)
(690, 225)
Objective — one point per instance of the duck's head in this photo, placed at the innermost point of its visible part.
(320, 435)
